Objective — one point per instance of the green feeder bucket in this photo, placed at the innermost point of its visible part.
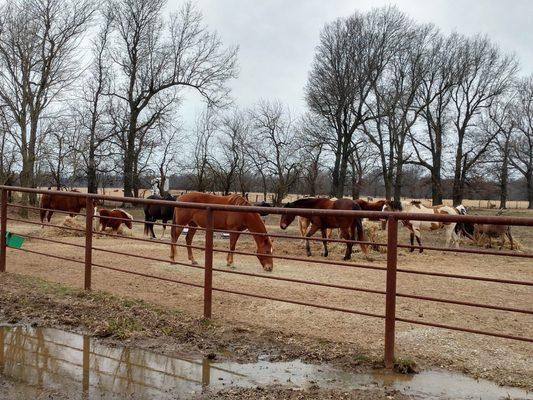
(13, 240)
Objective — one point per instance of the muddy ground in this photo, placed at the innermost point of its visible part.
(247, 327)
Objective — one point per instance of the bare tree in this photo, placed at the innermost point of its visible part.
(168, 158)
(521, 157)
(498, 118)
(485, 74)
(95, 127)
(351, 56)
(8, 155)
(203, 136)
(153, 59)
(38, 52)
(314, 141)
(275, 147)
(434, 99)
(395, 110)
(228, 163)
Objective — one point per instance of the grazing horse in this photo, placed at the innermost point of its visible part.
(231, 220)
(108, 219)
(490, 231)
(61, 202)
(153, 212)
(416, 226)
(347, 224)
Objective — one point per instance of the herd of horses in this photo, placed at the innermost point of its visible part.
(349, 225)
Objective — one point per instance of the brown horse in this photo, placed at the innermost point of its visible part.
(235, 221)
(57, 201)
(107, 219)
(371, 206)
(347, 224)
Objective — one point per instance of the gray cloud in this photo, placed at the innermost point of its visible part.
(277, 38)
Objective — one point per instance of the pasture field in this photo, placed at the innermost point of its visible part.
(500, 360)
(256, 196)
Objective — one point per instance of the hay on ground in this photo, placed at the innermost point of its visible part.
(68, 222)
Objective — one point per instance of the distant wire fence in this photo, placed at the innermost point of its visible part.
(389, 271)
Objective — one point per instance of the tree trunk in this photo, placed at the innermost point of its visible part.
(129, 159)
(504, 182)
(529, 180)
(335, 175)
(436, 187)
(398, 181)
(458, 187)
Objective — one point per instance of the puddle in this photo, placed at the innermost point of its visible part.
(75, 366)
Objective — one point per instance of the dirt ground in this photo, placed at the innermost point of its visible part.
(500, 360)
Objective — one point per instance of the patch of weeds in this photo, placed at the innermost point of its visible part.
(323, 342)
(123, 327)
(206, 322)
(405, 366)
(361, 359)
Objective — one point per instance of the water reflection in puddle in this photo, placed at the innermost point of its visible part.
(79, 367)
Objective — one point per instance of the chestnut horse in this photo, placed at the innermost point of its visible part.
(231, 220)
(371, 206)
(347, 224)
(57, 201)
(107, 219)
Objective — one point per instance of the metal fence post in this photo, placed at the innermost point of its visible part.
(89, 214)
(3, 230)
(208, 264)
(390, 300)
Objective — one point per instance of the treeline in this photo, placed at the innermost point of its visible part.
(395, 108)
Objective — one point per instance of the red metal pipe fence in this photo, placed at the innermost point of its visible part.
(391, 268)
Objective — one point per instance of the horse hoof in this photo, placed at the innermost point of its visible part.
(194, 262)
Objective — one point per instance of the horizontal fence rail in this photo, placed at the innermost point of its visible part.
(388, 274)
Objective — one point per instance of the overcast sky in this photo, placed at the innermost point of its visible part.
(277, 38)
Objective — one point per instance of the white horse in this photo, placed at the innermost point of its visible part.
(416, 226)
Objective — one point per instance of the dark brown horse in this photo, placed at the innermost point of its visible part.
(61, 202)
(235, 221)
(347, 224)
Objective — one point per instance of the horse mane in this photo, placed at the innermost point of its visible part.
(416, 203)
(238, 200)
(303, 203)
(128, 215)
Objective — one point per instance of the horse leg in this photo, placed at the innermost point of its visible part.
(49, 216)
(233, 237)
(188, 240)
(325, 242)
(345, 234)
(311, 232)
(175, 232)
(164, 229)
(508, 233)
(417, 235)
(412, 241)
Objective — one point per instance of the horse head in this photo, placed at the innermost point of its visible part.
(392, 205)
(168, 196)
(286, 219)
(264, 253)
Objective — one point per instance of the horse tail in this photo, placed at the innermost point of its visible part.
(146, 223)
(42, 213)
(360, 230)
